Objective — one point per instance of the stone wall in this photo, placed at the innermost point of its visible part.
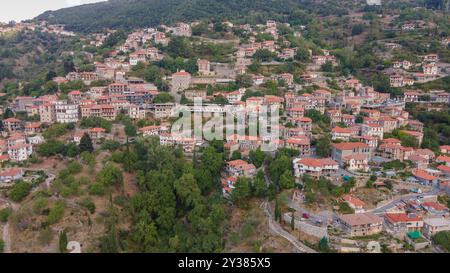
(307, 228)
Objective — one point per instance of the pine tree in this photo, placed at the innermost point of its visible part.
(63, 241)
(277, 211)
(86, 144)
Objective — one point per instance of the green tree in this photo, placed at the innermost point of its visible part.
(443, 239)
(56, 213)
(86, 144)
(257, 157)
(110, 175)
(130, 129)
(187, 190)
(279, 166)
(327, 67)
(8, 113)
(244, 80)
(260, 187)
(242, 191)
(236, 155)
(19, 191)
(287, 180)
(323, 245)
(277, 210)
(220, 99)
(72, 150)
(302, 54)
(63, 241)
(323, 147)
(163, 97)
(263, 55)
(4, 215)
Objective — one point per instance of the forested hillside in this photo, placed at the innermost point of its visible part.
(139, 13)
(27, 55)
(129, 14)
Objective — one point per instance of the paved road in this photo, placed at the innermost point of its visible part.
(381, 209)
(277, 229)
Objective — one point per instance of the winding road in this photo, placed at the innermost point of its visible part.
(381, 209)
(278, 230)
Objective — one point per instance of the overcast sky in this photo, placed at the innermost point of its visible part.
(26, 9)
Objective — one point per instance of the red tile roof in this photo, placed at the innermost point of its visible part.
(316, 162)
(434, 205)
(341, 130)
(11, 172)
(402, 217)
(423, 174)
(354, 200)
(350, 145)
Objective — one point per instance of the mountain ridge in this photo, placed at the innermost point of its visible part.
(130, 14)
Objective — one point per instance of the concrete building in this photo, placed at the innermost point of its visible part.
(361, 224)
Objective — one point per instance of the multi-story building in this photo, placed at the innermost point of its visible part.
(12, 124)
(402, 222)
(361, 224)
(432, 226)
(341, 150)
(240, 168)
(105, 111)
(66, 113)
(163, 110)
(182, 29)
(204, 67)
(118, 89)
(430, 69)
(315, 166)
(20, 152)
(187, 143)
(181, 81)
(374, 130)
(301, 144)
(339, 133)
(356, 162)
(11, 175)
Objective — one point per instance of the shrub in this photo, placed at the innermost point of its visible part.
(88, 204)
(96, 189)
(74, 167)
(4, 215)
(19, 191)
(56, 213)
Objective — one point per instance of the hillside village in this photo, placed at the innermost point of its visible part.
(357, 167)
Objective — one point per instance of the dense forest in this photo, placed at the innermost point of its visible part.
(28, 55)
(130, 14)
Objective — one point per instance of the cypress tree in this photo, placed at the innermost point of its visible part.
(63, 241)
(292, 221)
(86, 144)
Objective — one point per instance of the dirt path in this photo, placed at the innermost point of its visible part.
(6, 238)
